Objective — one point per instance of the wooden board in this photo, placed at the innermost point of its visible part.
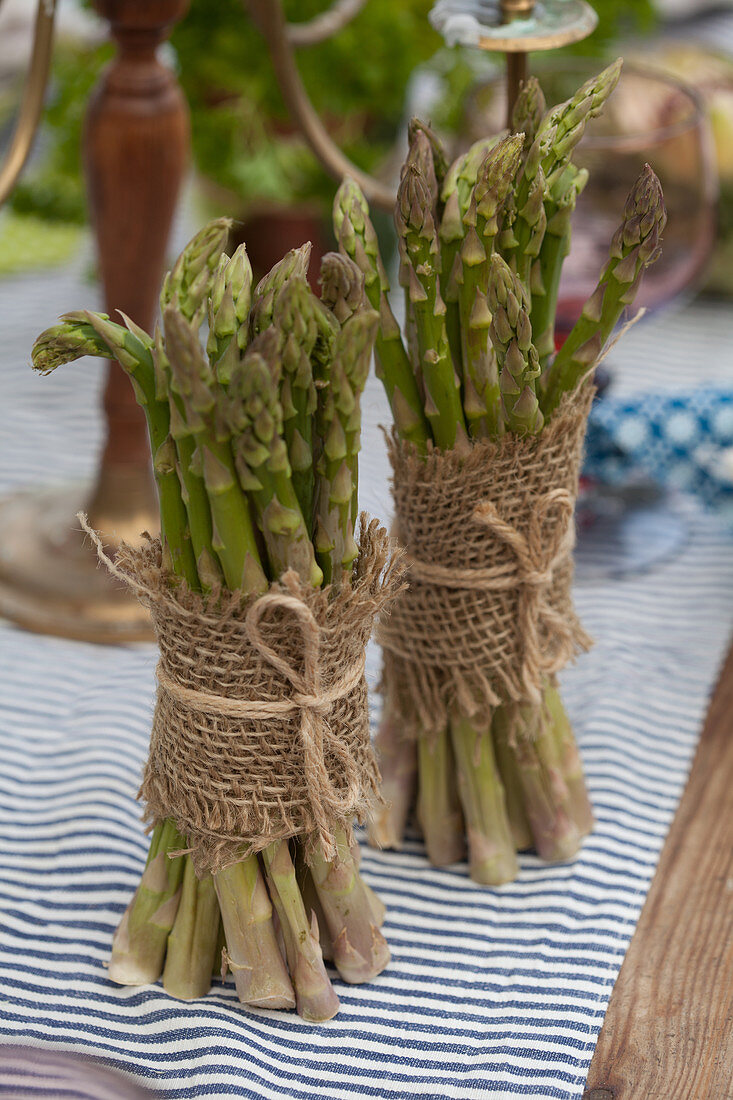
(668, 1032)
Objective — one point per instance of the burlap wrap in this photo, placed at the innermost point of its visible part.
(488, 614)
(261, 726)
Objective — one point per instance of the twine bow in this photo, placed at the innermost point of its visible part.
(308, 698)
(549, 539)
(314, 703)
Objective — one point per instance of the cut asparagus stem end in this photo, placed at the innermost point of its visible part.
(556, 835)
(312, 902)
(438, 806)
(378, 908)
(139, 944)
(509, 771)
(492, 859)
(316, 999)
(398, 764)
(571, 764)
(260, 975)
(139, 962)
(360, 951)
(192, 943)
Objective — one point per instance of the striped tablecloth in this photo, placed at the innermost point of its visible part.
(490, 992)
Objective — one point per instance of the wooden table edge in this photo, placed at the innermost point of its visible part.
(668, 1031)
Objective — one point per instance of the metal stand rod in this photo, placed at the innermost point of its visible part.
(517, 64)
(517, 71)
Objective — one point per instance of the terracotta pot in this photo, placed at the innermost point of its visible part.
(270, 233)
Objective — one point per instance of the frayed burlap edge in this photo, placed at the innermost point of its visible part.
(488, 617)
(261, 728)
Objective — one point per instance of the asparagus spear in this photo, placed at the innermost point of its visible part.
(270, 286)
(567, 121)
(522, 239)
(420, 252)
(193, 939)
(139, 944)
(455, 196)
(529, 110)
(481, 394)
(546, 797)
(338, 419)
(560, 203)
(439, 156)
(312, 901)
(358, 240)
(296, 322)
(254, 958)
(438, 803)
(635, 246)
(187, 284)
(508, 766)
(229, 304)
(557, 136)
(398, 764)
(342, 286)
(490, 844)
(571, 765)
(462, 175)
(344, 293)
(255, 417)
(185, 424)
(378, 908)
(231, 535)
(186, 290)
(420, 156)
(84, 333)
(360, 951)
(511, 335)
(315, 996)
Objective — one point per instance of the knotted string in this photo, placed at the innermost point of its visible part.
(537, 555)
(261, 728)
(489, 614)
(309, 697)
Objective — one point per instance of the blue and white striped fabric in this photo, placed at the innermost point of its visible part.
(490, 992)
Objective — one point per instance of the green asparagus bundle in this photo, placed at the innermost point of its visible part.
(255, 442)
(482, 244)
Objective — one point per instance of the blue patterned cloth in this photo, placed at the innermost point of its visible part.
(683, 441)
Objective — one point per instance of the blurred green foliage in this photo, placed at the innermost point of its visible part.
(28, 242)
(53, 188)
(242, 136)
(243, 140)
(617, 20)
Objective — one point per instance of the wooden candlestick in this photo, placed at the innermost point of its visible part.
(135, 149)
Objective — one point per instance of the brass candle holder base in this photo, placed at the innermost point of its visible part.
(515, 28)
(51, 581)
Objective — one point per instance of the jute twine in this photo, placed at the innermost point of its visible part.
(261, 727)
(488, 615)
